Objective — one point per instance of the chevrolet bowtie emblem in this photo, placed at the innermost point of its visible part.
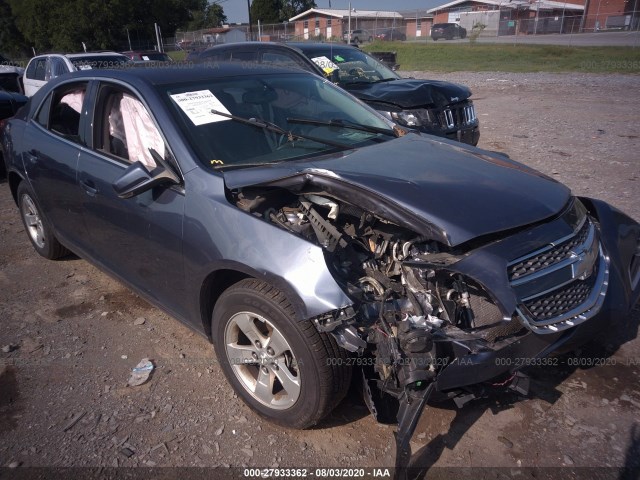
(585, 258)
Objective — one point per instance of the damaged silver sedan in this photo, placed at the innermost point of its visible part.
(306, 235)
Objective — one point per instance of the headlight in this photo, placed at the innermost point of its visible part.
(411, 118)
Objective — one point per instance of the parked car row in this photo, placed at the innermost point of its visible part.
(295, 227)
(43, 68)
(439, 108)
(384, 34)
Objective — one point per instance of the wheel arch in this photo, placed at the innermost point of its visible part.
(221, 279)
(14, 181)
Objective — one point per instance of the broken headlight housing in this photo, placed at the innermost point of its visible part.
(416, 117)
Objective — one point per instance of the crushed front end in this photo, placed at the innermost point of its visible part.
(430, 320)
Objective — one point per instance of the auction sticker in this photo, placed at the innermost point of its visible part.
(198, 105)
(325, 64)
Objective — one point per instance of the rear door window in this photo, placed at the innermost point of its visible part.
(65, 111)
(37, 69)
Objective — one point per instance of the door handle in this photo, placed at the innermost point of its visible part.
(89, 187)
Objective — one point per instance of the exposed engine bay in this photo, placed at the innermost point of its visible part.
(412, 316)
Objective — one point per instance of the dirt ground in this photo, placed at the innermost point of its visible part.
(76, 334)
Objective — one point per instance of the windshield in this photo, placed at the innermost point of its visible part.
(352, 65)
(99, 61)
(271, 111)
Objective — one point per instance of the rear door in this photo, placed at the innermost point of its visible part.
(55, 138)
(139, 238)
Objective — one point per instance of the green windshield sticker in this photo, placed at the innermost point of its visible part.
(338, 58)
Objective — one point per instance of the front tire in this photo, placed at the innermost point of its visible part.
(280, 366)
(38, 229)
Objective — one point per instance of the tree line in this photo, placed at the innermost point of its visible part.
(64, 25)
(278, 11)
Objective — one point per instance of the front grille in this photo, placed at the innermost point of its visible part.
(459, 115)
(563, 284)
(561, 301)
(550, 257)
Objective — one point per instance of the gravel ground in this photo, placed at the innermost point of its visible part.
(72, 335)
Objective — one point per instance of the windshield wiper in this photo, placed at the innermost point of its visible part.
(344, 124)
(272, 127)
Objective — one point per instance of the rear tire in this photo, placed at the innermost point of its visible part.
(38, 229)
(280, 366)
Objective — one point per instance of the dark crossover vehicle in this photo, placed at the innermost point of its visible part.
(299, 230)
(10, 76)
(435, 107)
(448, 31)
(10, 102)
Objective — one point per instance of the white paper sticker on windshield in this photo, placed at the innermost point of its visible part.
(325, 64)
(84, 67)
(198, 105)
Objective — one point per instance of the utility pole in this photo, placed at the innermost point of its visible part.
(250, 27)
(349, 31)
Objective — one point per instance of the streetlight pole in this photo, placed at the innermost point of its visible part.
(250, 27)
(349, 27)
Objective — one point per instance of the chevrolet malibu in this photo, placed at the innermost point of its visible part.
(304, 234)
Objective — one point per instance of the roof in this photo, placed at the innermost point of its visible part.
(549, 5)
(310, 47)
(526, 4)
(91, 54)
(420, 13)
(178, 74)
(222, 30)
(458, 2)
(355, 13)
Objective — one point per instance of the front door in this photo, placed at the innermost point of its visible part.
(139, 238)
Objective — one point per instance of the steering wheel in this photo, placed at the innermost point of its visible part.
(357, 72)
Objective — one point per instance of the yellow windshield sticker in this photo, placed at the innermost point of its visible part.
(325, 64)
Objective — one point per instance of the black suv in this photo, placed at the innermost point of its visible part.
(434, 107)
(448, 31)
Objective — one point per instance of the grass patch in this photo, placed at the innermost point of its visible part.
(178, 55)
(441, 57)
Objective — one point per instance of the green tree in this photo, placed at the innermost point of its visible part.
(212, 15)
(291, 8)
(65, 25)
(11, 40)
(267, 11)
(277, 11)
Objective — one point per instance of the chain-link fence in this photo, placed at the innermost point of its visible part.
(522, 25)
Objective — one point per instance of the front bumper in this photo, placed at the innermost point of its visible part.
(620, 237)
(470, 135)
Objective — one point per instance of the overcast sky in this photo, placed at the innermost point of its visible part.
(236, 10)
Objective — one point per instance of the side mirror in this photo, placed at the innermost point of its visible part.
(136, 179)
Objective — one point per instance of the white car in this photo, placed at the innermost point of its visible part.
(43, 68)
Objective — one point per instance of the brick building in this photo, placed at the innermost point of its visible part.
(510, 17)
(327, 23)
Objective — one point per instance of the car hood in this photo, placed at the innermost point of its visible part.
(410, 93)
(449, 192)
